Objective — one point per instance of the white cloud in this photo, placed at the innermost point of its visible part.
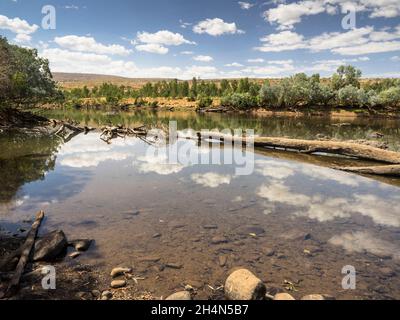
(286, 15)
(187, 53)
(163, 37)
(17, 25)
(353, 42)
(203, 58)
(395, 58)
(92, 159)
(246, 5)
(216, 27)
(234, 64)
(152, 48)
(89, 44)
(22, 38)
(257, 60)
(211, 179)
(71, 7)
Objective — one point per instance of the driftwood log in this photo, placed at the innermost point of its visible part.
(344, 148)
(388, 170)
(349, 149)
(25, 254)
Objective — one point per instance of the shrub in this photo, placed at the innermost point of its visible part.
(269, 95)
(391, 97)
(204, 102)
(239, 101)
(348, 96)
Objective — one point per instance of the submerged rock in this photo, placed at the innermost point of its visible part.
(81, 244)
(243, 285)
(219, 239)
(181, 295)
(296, 235)
(50, 246)
(106, 295)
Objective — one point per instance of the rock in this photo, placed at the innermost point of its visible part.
(81, 244)
(106, 295)
(119, 271)
(75, 254)
(222, 261)
(96, 293)
(182, 295)
(296, 235)
(50, 246)
(195, 284)
(243, 285)
(115, 284)
(132, 213)
(210, 226)
(150, 259)
(156, 235)
(219, 239)
(176, 225)
(283, 296)
(313, 297)
(269, 252)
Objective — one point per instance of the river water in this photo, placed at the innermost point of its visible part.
(292, 219)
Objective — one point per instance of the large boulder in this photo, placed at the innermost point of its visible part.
(243, 285)
(50, 246)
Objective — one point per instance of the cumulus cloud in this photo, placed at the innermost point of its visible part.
(152, 48)
(163, 37)
(211, 179)
(22, 38)
(157, 42)
(17, 25)
(257, 60)
(216, 27)
(246, 5)
(359, 41)
(89, 44)
(203, 58)
(287, 15)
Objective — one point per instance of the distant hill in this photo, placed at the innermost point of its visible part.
(74, 80)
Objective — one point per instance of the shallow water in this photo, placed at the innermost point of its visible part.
(288, 220)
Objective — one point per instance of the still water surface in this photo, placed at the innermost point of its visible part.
(291, 219)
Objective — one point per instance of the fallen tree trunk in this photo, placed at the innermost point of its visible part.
(389, 170)
(25, 254)
(344, 148)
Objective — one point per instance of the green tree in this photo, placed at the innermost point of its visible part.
(345, 76)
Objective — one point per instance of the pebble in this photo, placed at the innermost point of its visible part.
(174, 265)
(106, 295)
(210, 226)
(120, 271)
(387, 272)
(115, 284)
(182, 295)
(283, 296)
(150, 259)
(269, 252)
(222, 261)
(219, 239)
(75, 254)
(96, 293)
(157, 235)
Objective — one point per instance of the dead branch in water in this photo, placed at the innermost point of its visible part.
(388, 170)
(25, 252)
(350, 149)
(109, 133)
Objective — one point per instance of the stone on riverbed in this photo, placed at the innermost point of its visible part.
(243, 285)
(81, 244)
(182, 295)
(106, 295)
(50, 246)
(219, 239)
(115, 284)
(283, 296)
(116, 272)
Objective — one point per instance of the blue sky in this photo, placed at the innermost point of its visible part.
(209, 39)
